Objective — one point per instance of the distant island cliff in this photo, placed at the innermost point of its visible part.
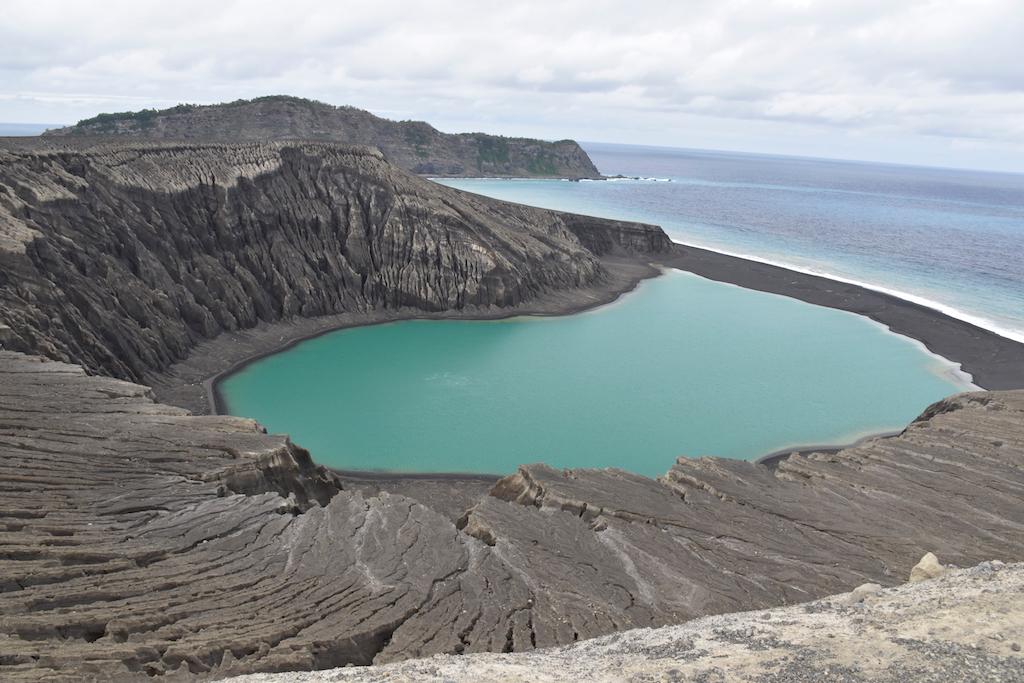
(413, 145)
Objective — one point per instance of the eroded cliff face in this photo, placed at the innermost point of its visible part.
(413, 145)
(122, 257)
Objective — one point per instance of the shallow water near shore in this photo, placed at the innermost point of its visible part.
(681, 366)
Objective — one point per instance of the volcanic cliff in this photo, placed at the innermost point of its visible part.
(122, 256)
(138, 540)
(413, 145)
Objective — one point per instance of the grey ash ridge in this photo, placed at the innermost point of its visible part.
(139, 540)
(413, 145)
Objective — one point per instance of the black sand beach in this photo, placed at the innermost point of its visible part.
(995, 362)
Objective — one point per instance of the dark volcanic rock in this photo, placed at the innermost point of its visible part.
(122, 257)
(137, 540)
(413, 145)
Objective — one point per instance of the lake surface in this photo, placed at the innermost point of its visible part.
(681, 366)
(947, 238)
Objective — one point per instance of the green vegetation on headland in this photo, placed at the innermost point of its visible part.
(414, 145)
(143, 117)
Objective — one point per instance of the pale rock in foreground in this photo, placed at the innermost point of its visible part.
(862, 592)
(967, 625)
(928, 568)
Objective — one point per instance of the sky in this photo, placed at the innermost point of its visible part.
(904, 81)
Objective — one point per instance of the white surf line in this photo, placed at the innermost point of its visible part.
(945, 309)
(943, 367)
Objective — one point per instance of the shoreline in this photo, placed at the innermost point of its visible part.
(218, 404)
(192, 382)
(772, 460)
(936, 306)
(991, 360)
(908, 297)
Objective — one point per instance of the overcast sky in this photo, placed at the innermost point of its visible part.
(935, 83)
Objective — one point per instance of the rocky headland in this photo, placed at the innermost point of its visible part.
(137, 539)
(413, 145)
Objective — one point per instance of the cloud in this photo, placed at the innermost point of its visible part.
(917, 68)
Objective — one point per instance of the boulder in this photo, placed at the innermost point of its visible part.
(928, 568)
(861, 592)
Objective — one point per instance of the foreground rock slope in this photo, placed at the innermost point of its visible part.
(137, 540)
(966, 626)
(413, 145)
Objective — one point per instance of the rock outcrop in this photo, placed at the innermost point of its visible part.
(967, 627)
(413, 145)
(928, 568)
(137, 540)
(121, 257)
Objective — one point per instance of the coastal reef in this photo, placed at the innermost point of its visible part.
(413, 145)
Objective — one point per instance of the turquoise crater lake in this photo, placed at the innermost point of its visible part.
(681, 366)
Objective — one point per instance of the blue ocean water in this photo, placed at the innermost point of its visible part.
(24, 129)
(950, 239)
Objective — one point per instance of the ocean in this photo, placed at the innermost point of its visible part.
(25, 129)
(949, 239)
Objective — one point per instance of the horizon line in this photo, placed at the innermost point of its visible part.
(717, 150)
